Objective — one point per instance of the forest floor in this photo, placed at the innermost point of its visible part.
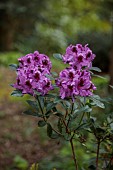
(19, 134)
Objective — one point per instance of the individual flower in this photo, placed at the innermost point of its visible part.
(85, 85)
(31, 74)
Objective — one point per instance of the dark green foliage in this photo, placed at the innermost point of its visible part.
(32, 113)
(57, 56)
(17, 93)
(13, 66)
(33, 104)
(95, 69)
(96, 101)
(41, 123)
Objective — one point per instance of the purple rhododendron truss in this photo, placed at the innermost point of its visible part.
(31, 74)
(74, 82)
(78, 56)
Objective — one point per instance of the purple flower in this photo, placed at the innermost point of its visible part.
(78, 56)
(74, 82)
(31, 74)
(85, 85)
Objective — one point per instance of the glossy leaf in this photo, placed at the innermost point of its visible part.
(54, 74)
(57, 100)
(95, 75)
(47, 114)
(41, 123)
(49, 76)
(17, 93)
(41, 99)
(57, 56)
(33, 104)
(32, 113)
(59, 114)
(95, 69)
(50, 106)
(13, 66)
(81, 110)
(68, 104)
(97, 102)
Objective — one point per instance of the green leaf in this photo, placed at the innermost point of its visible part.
(54, 74)
(97, 97)
(17, 93)
(100, 131)
(57, 56)
(95, 75)
(41, 99)
(32, 113)
(47, 114)
(33, 104)
(68, 104)
(82, 126)
(57, 99)
(55, 136)
(13, 66)
(49, 130)
(97, 101)
(41, 123)
(59, 114)
(67, 136)
(75, 105)
(95, 69)
(37, 93)
(50, 106)
(81, 110)
(50, 95)
(49, 76)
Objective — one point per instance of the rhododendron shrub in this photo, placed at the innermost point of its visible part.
(66, 97)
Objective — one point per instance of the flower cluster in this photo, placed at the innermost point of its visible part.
(76, 80)
(78, 56)
(31, 74)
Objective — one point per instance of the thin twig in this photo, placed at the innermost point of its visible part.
(97, 158)
(81, 118)
(66, 113)
(56, 131)
(109, 164)
(41, 109)
(70, 114)
(66, 126)
(73, 152)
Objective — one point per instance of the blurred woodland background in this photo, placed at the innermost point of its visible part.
(49, 27)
